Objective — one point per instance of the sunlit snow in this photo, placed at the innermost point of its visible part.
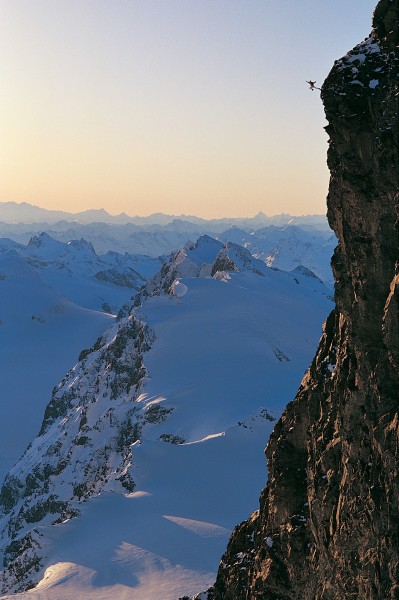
(215, 364)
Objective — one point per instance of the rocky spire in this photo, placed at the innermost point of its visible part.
(328, 522)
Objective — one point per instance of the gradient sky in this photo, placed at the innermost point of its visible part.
(177, 106)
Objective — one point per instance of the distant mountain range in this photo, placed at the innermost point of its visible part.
(15, 213)
(282, 242)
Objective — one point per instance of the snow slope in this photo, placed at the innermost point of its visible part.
(41, 336)
(74, 269)
(148, 435)
(100, 282)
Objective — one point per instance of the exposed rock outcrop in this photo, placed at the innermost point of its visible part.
(327, 527)
(84, 447)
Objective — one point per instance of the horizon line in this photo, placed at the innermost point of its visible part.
(124, 214)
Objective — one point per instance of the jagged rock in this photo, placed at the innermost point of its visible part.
(327, 527)
(206, 258)
(84, 446)
(129, 280)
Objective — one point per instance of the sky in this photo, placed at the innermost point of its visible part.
(175, 106)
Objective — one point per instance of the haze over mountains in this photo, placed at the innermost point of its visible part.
(13, 212)
(282, 241)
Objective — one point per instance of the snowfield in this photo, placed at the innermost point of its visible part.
(100, 282)
(230, 341)
(42, 334)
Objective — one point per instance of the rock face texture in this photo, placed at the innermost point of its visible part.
(328, 523)
(84, 447)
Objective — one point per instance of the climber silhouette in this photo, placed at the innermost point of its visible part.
(312, 85)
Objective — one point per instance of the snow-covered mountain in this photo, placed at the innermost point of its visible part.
(73, 268)
(289, 247)
(46, 288)
(41, 334)
(144, 440)
(153, 240)
(282, 241)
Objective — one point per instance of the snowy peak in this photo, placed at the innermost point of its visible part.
(193, 260)
(235, 235)
(233, 257)
(286, 247)
(96, 282)
(81, 246)
(44, 246)
(204, 250)
(206, 258)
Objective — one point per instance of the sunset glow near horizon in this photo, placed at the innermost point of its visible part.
(195, 106)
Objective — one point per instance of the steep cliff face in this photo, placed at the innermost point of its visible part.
(328, 523)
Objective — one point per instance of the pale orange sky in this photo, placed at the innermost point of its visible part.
(169, 106)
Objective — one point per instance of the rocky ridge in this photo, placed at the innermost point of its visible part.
(84, 446)
(327, 527)
(206, 257)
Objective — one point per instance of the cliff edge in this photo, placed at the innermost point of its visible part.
(328, 523)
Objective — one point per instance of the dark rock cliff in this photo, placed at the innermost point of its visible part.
(328, 523)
